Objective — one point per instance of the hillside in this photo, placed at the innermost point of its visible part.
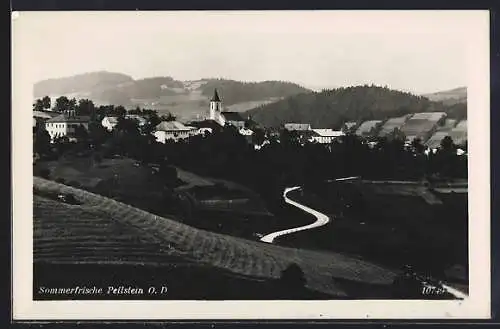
(331, 108)
(185, 99)
(81, 83)
(234, 92)
(88, 233)
(449, 97)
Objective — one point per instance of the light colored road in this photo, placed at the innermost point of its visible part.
(455, 292)
(321, 219)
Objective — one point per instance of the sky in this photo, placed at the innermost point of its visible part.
(414, 51)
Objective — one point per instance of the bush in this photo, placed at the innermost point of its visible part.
(61, 180)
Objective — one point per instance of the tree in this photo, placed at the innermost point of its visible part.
(86, 107)
(63, 103)
(97, 134)
(46, 102)
(258, 137)
(41, 142)
(168, 117)
(137, 110)
(447, 145)
(81, 133)
(417, 146)
(38, 105)
(119, 111)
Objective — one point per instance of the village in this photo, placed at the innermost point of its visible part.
(428, 128)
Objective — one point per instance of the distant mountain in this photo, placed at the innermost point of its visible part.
(331, 108)
(81, 83)
(449, 97)
(185, 99)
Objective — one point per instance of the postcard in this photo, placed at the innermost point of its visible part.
(251, 165)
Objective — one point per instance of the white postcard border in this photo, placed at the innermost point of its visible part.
(476, 306)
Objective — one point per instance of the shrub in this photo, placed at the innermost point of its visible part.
(61, 180)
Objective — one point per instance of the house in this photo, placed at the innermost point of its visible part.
(325, 136)
(246, 132)
(66, 124)
(109, 122)
(40, 117)
(174, 130)
(297, 126)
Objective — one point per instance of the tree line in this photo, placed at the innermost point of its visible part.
(283, 161)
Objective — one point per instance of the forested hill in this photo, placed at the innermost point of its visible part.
(450, 97)
(331, 108)
(233, 92)
(185, 99)
(80, 82)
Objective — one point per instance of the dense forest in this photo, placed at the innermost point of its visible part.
(233, 92)
(331, 108)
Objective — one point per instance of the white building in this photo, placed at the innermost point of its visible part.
(109, 122)
(325, 136)
(246, 132)
(174, 130)
(66, 124)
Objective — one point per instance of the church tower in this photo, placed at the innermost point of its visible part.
(215, 107)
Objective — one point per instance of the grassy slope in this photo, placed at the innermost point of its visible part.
(172, 238)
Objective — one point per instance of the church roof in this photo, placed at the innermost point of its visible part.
(215, 98)
(232, 116)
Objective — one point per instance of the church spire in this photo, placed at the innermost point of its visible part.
(215, 98)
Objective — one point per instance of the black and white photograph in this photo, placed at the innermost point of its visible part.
(227, 158)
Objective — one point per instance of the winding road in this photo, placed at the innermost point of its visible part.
(322, 219)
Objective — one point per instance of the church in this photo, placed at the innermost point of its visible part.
(224, 117)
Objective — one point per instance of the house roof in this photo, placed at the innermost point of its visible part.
(44, 115)
(70, 118)
(172, 126)
(350, 124)
(232, 116)
(328, 132)
(297, 126)
(139, 118)
(215, 97)
(112, 120)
